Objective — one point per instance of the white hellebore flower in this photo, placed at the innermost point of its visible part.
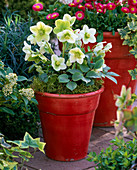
(67, 35)
(76, 55)
(32, 39)
(67, 17)
(44, 47)
(88, 35)
(41, 31)
(27, 50)
(108, 46)
(58, 63)
(99, 46)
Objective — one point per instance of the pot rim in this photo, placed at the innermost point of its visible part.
(71, 95)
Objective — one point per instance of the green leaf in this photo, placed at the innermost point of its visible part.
(13, 96)
(63, 78)
(44, 77)
(112, 74)
(25, 100)
(133, 73)
(111, 78)
(31, 68)
(41, 145)
(22, 78)
(7, 110)
(77, 76)
(92, 74)
(34, 101)
(4, 144)
(2, 73)
(84, 68)
(28, 141)
(72, 71)
(86, 80)
(99, 64)
(9, 70)
(71, 85)
(100, 37)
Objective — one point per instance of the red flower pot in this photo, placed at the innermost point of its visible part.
(67, 123)
(120, 61)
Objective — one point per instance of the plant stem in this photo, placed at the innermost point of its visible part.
(50, 49)
(63, 52)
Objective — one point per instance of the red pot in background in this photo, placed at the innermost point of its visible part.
(67, 123)
(120, 61)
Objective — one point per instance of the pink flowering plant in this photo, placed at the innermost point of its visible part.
(102, 15)
(73, 70)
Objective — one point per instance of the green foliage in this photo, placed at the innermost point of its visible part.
(22, 7)
(18, 111)
(118, 156)
(11, 150)
(126, 118)
(39, 85)
(102, 22)
(129, 33)
(13, 32)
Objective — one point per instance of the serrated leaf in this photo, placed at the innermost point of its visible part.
(71, 85)
(63, 78)
(77, 76)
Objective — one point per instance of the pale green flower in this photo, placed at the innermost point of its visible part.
(88, 35)
(28, 93)
(27, 48)
(58, 63)
(108, 47)
(61, 26)
(68, 63)
(98, 47)
(77, 32)
(32, 39)
(44, 47)
(76, 55)
(67, 35)
(67, 17)
(41, 31)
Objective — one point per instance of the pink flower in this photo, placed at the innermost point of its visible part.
(111, 6)
(37, 7)
(99, 10)
(48, 17)
(125, 9)
(79, 15)
(81, 7)
(89, 6)
(100, 5)
(132, 9)
(54, 15)
(134, 2)
(72, 4)
(78, 1)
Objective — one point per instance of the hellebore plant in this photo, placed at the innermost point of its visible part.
(74, 70)
(104, 16)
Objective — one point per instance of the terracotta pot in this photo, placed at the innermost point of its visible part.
(67, 123)
(120, 61)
